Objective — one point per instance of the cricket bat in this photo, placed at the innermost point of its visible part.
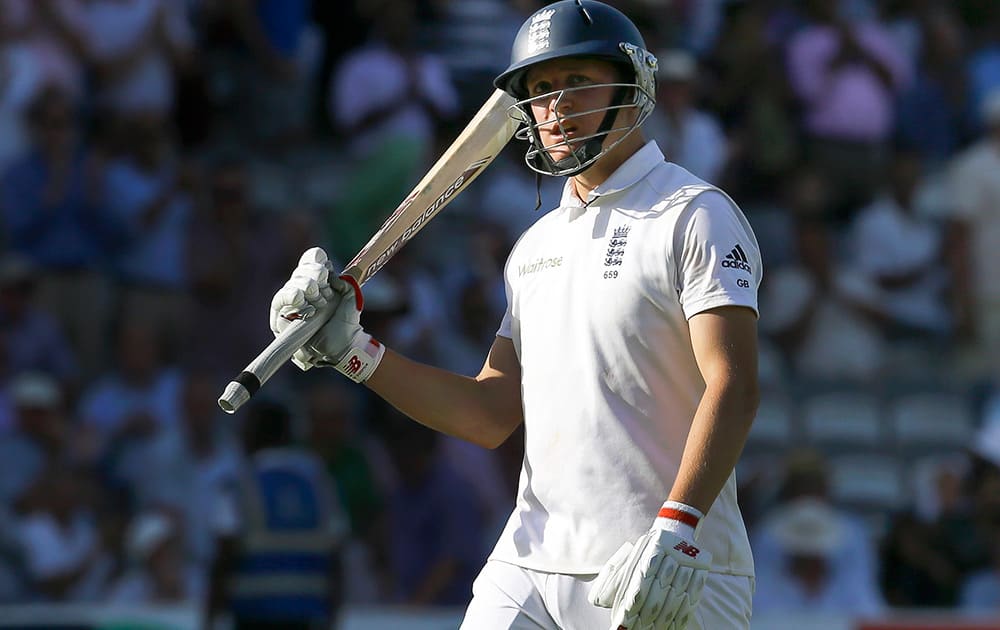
(479, 143)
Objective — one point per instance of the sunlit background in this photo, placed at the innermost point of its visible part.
(164, 162)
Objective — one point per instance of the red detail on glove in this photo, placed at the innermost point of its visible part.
(678, 515)
(359, 299)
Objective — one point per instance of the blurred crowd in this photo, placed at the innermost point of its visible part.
(163, 163)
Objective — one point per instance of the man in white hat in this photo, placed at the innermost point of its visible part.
(808, 532)
(158, 574)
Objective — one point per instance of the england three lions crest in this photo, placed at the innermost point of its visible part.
(616, 247)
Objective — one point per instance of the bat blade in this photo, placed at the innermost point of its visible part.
(466, 158)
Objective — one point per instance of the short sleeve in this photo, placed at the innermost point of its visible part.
(506, 325)
(716, 256)
(506, 329)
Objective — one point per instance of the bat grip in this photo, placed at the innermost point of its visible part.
(258, 371)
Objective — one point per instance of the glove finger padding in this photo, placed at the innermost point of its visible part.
(314, 280)
(640, 572)
(606, 584)
(657, 585)
(314, 255)
(660, 592)
(287, 304)
(674, 619)
(307, 290)
(685, 609)
(676, 602)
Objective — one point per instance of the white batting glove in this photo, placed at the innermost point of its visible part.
(342, 343)
(656, 582)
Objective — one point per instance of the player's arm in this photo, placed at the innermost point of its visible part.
(484, 409)
(656, 582)
(724, 341)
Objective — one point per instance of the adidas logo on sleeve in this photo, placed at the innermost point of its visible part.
(737, 259)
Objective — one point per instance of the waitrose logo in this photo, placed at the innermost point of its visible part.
(539, 265)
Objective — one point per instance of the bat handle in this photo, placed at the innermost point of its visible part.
(293, 337)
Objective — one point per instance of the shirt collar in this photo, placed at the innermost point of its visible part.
(628, 174)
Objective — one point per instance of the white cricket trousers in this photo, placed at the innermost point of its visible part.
(509, 597)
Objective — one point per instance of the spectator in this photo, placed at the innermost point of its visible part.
(332, 412)
(282, 525)
(932, 111)
(919, 563)
(420, 310)
(473, 38)
(929, 563)
(981, 590)
(820, 334)
(52, 216)
(39, 438)
(33, 340)
(152, 192)
(508, 197)
(847, 567)
(984, 482)
(137, 48)
(387, 99)
(42, 45)
(60, 540)
(846, 76)
(276, 79)
(357, 463)
(983, 61)
(975, 195)
(461, 347)
(750, 94)
(897, 263)
(435, 558)
(342, 28)
(187, 469)
(124, 411)
(229, 241)
(389, 89)
(159, 575)
(808, 537)
(690, 137)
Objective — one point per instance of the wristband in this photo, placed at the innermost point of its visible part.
(679, 518)
(361, 359)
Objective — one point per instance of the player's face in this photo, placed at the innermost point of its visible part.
(561, 114)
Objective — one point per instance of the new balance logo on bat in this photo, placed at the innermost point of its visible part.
(737, 259)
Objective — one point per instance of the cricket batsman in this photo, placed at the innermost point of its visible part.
(628, 350)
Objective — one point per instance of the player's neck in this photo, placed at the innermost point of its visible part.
(602, 169)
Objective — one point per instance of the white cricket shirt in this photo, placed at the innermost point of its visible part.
(598, 298)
